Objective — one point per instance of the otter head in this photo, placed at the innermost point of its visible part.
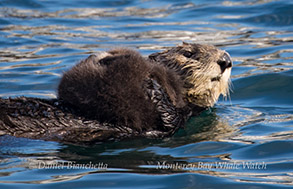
(204, 69)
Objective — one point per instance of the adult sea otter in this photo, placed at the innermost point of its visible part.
(120, 94)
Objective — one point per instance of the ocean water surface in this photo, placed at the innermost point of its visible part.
(245, 141)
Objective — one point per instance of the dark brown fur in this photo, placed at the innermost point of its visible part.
(112, 89)
(119, 94)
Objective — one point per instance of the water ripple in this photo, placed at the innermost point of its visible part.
(39, 40)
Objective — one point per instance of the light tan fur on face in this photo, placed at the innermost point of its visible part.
(204, 80)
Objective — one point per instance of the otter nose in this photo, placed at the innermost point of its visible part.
(225, 62)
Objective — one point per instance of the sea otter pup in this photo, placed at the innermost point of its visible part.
(120, 94)
(123, 88)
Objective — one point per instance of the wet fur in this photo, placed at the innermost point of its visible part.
(111, 88)
(198, 66)
(119, 94)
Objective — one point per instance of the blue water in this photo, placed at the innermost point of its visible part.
(244, 141)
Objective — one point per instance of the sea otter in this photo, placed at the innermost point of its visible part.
(120, 94)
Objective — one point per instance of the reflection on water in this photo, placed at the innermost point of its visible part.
(39, 40)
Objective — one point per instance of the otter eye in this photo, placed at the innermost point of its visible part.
(187, 54)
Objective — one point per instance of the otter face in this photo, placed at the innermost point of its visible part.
(204, 68)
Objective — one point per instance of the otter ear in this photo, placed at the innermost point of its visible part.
(185, 43)
(109, 59)
(154, 56)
